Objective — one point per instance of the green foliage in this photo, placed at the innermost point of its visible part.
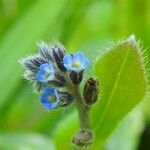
(31, 29)
(125, 137)
(15, 141)
(123, 85)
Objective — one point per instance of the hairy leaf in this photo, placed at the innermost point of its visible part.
(125, 137)
(122, 86)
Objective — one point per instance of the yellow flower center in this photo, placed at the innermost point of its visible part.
(76, 64)
(52, 98)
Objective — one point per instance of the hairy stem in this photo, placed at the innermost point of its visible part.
(84, 136)
(82, 108)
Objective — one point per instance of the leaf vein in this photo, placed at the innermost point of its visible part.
(113, 90)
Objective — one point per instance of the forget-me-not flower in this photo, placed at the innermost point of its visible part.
(45, 73)
(76, 62)
(50, 98)
(59, 76)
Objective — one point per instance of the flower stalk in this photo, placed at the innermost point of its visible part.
(82, 108)
(83, 137)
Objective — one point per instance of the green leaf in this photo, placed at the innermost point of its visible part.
(125, 137)
(18, 141)
(146, 106)
(121, 74)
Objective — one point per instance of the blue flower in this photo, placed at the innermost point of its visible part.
(76, 62)
(45, 73)
(50, 98)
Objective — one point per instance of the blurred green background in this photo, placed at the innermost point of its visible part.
(87, 25)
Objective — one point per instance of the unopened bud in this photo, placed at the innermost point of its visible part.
(45, 51)
(66, 99)
(38, 86)
(56, 83)
(83, 138)
(76, 77)
(91, 91)
(58, 53)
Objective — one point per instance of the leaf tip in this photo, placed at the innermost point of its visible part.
(132, 40)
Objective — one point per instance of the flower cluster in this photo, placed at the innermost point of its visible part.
(52, 70)
(58, 75)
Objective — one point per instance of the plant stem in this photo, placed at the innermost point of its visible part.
(82, 108)
(84, 136)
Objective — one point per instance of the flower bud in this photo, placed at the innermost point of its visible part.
(83, 138)
(32, 63)
(56, 83)
(91, 91)
(45, 52)
(66, 99)
(58, 53)
(60, 80)
(38, 86)
(76, 77)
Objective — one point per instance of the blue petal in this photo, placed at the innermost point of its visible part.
(47, 106)
(49, 90)
(67, 59)
(44, 67)
(86, 62)
(68, 67)
(78, 56)
(41, 76)
(44, 97)
(54, 105)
